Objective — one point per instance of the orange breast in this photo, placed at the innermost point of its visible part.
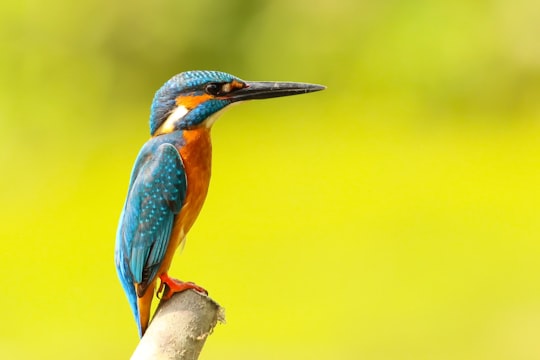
(197, 157)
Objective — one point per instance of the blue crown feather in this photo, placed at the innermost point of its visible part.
(165, 98)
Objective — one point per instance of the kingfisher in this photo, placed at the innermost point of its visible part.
(170, 179)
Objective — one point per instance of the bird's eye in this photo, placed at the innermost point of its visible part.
(213, 89)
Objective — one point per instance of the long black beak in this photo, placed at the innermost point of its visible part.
(270, 89)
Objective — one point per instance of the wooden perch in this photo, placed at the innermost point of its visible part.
(179, 328)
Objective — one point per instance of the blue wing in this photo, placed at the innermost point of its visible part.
(156, 194)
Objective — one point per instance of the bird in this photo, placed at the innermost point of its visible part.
(170, 178)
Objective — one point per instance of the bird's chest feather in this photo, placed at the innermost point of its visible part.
(196, 154)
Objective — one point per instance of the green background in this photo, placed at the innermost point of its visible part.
(393, 216)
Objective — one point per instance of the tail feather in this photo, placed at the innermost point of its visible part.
(129, 288)
(144, 306)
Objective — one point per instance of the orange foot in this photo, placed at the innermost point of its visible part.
(175, 286)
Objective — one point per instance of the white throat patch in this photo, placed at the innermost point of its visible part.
(212, 118)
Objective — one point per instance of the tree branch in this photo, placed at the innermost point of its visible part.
(180, 327)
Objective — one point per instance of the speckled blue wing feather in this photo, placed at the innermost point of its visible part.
(156, 194)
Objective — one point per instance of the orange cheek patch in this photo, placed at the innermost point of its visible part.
(190, 102)
(233, 85)
(237, 84)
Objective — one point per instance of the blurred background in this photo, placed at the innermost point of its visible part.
(393, 216)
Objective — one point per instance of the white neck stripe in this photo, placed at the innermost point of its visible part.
(169, 124)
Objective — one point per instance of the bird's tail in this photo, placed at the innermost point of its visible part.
(133, 303)
(143, 309)
(129, 289)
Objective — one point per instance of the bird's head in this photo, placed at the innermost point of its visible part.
(192, 99)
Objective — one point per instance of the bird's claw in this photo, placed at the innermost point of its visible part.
(170, 286)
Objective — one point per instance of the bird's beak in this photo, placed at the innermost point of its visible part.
(270, 89)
